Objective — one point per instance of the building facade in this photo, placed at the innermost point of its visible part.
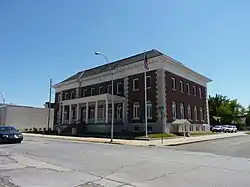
(85, 98)
(26, 117)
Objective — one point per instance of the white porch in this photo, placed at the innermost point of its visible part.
(92, 109)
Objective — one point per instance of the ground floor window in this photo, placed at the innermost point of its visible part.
(136, 110)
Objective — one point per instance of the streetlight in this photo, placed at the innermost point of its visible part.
(112, 94)
(3, 113)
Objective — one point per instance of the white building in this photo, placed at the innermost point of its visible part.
(25, 117)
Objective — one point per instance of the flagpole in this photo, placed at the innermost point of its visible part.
(145, 92)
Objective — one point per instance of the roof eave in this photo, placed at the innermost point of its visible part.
(206, 79)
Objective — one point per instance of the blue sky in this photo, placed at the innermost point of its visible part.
(56, 38)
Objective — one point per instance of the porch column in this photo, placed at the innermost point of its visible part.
(107, 111)
(96, 111)
(63, 111)
(70, 113)
(87, 113)
(77, 113)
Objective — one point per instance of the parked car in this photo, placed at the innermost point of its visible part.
(217, 128)
(9, 134)
(230, 128)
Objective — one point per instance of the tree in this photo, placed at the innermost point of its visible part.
(248, 116)
(228, 110)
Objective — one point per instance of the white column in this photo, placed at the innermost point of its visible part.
(96, 111)
(77, 113)
(107, 110)
(87, 112)
(70, 114)
(63, 111)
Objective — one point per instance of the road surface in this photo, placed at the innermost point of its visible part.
(53, 163)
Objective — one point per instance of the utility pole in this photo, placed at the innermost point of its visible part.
(50, 90)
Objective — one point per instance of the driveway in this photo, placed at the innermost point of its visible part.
(51, 163)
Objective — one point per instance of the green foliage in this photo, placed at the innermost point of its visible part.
(164, 135)
(223, 110)
(200, 133)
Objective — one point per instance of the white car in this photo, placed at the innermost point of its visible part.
(230, 128)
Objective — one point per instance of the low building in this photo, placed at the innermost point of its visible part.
(85, 98)
(25, 117)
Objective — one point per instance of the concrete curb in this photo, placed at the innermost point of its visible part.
(205, 140)
(140, 143)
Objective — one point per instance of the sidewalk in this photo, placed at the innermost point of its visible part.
(153, 142)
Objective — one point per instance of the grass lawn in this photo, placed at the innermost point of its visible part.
(156, 136)
(201, 133)
(248, 132)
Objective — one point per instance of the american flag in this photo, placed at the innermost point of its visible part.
(145, 61)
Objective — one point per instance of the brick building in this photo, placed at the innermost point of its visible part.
(85, 98)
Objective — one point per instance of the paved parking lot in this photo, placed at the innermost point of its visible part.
(51, 163)
(234, 147)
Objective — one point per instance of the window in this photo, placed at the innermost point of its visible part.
(148, 80)
(101, 90)
(200, 93)
(188, 89)
(181, 86)
(182, 111)
(59, 98)
(194, 90)
(84, 93)
(195, 114)
(92, 91)
(66, 96)
(119, 88)
(149, 110)
(174, 111)
(119, 112)
(135, 84)
(189, 113)
(173, 83)
(101, 112)
(191, 128)
(201, 114)
(136, 110)
(110, 89)
(72, 95)
(92, 113)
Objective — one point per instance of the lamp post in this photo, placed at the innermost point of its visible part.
(3, 113)
(112, 95)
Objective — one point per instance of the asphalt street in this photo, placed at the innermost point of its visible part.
(234, 147)
(39, 162)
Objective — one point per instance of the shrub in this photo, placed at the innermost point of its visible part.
(40, 129)
(35, 129)
(44, 129)
(31, 129)
(26, 130)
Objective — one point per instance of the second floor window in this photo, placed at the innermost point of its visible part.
(119, 88)
(72, 95)
(135, 84)
(148, 80)
(66, 96)
(173, 83)
(100, 90)
(181, 86)
(200, 93)
(110, 89)
(188, 88)
(194, 90)
(92, 91)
